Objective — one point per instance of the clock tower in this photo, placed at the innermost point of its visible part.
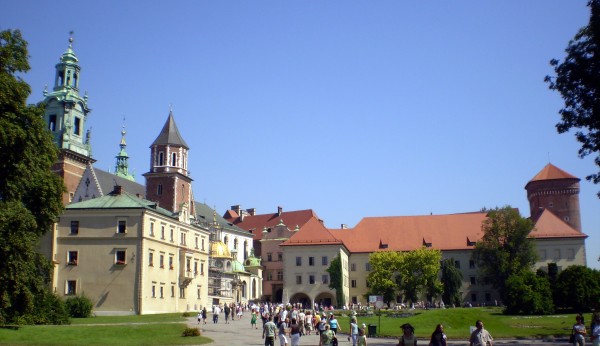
(65, 115)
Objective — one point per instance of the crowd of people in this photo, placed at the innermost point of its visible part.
(290, 322)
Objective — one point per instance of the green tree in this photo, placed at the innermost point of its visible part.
(578, 81)
(336, 280)
(452, 282)
(30, 193)
(505, 249)
(418, 273)
(578, 287)
(384, 270)
(528, 294)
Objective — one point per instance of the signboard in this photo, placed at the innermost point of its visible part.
(377, 300)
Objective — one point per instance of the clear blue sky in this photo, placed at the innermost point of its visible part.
(349, 108)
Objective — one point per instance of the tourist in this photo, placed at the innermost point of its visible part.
(408, 337)
(269, 332)
(595, 329)
(362, 338)
(353, 331)
(326, 337)
(333, 324)
(295, 331)
(283, 325)
(253, 319)
(480, 336)
(438, 338)
(578, 332)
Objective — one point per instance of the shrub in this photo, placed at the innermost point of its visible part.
(187, 314)
(79, 306)
(191, 332)
(51, 310)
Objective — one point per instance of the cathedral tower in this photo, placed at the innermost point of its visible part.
(168, 181)
(555, 190)
(65, 114)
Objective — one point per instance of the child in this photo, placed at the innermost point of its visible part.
(362, 338)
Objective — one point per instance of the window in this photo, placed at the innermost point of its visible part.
(153, 291)
(226, 240)
(202, 243)
(269, 276)
(353, 283)
(161, 159)
(174, 159)
(188, 265)
(354, 300)
(298, 261)
(269, 257)
(120, 257)
(280, 275)
(159, 189)
(196, 242)
(151, 259)
(74, 227)
(161, 261)
(195, 267)
(170, 262)
(471, 264)
(235, 242)
(182, 238)
(311, 279)
(353, 267)
(162, 232)
(77, 126)
(172, 291)
(71, 287)
(571, 254)
(368, 266)
(162, 292)
(457, 264)
(181, 292)
(324, 261)
(122, 227)
(279, 256)
(298, 279)
(72, 258)
(172, 232)
(472, 278)
(311, 261)
(198, 293)
(52, 122)
(325, 278)
(201, 268)
(152, 229)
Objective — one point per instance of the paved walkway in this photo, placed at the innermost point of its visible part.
(239, 333)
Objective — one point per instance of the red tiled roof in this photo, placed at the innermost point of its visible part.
(312, 233)
(551, 172)
(256, 223)
(549, 225)
(404, 233)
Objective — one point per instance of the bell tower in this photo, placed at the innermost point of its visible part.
(168, 181)
(65, 115)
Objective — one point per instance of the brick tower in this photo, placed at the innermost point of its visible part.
(168, 181)
(555, 190)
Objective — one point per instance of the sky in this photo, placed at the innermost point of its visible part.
(350, 108)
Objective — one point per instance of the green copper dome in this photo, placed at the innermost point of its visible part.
(237, 267)
(252, 261)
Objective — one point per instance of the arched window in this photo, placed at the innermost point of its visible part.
(226, 240)
(235, 241)
(161, 158)
(244, 289)
(245, 249)
(174, 159)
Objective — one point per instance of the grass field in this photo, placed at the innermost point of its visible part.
(457, 322)
(131, 330)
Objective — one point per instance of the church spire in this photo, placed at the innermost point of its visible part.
(122, 166)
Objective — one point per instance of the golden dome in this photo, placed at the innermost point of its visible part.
(219, 250)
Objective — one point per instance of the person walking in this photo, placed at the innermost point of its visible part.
(216, 312)
(295, 332)
(282, 327)
(353, 331)
(204, 314)
(326, 336)
(578, 332)
(269, 332)
(227, 311)
(480, 336)
(253, 319)
(408, 337)
(333, 324)
(362, 338)
(438, 338)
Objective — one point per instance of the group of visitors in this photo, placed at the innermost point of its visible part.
(479, 337)
(579, 332)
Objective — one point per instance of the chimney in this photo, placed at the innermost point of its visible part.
(344, 226)
(279, 211)
(237, 209)
(251, 211)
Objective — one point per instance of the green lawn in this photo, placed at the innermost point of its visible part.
(133, 330)
(458, 320)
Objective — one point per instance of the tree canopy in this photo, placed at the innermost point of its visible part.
(412, 273)
(30, 193)
(505, 249)
(452, 282)
(336, 280)
(578, 81)
(578, 287)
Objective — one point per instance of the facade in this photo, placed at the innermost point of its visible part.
(269, 231)
(130, 256)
